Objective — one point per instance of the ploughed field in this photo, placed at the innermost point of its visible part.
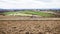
(29, 23)
(29, 26)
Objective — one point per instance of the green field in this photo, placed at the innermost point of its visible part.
(29, 13)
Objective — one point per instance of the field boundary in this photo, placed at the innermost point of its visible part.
(21, 18)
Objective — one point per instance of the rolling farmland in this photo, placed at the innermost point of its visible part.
(29, 22)
(30, 13)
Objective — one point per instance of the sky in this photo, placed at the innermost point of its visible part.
(29, 4)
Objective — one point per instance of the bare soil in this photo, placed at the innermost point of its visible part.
(29, 27)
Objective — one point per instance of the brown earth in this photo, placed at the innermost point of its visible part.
(29, 27)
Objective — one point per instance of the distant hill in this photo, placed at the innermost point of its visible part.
(7, 10)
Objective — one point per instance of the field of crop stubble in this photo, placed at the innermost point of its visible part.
(30, 26)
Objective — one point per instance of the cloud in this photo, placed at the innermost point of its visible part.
(19, 4)
(44, 0)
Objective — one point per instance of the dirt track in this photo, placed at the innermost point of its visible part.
(25, 18)
(32, 27)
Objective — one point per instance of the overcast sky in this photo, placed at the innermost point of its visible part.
(29, 4)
